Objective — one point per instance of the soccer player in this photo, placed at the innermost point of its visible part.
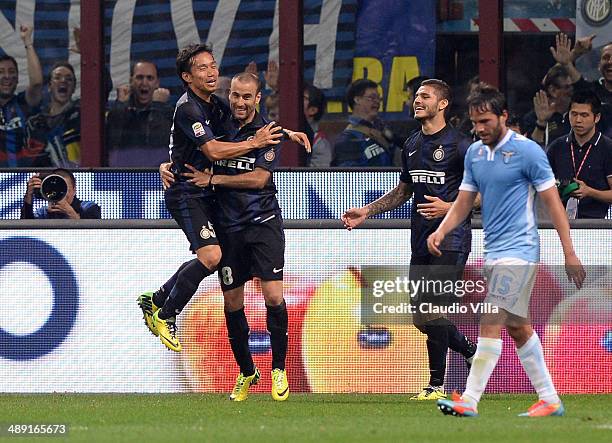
(199, 119)
(432, 167)
(507, 169)
(250, 229)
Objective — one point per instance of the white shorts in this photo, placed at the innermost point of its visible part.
(509, 284)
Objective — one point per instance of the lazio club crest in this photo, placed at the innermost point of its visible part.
(507, 156)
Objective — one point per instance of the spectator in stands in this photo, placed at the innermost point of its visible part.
(514, 123)
(68, 207)
(15, 109)
(272, 105)
(366, 141)
(603, 86)
(548, 119)
(314, 107)
(223, 89)
(584, 155)
(55, 133)
(460, 117)
(138, 123)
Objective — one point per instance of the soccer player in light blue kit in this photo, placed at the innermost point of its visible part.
(507, 169)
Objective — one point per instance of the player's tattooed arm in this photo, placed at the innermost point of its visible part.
(396, 197)
(391, 200)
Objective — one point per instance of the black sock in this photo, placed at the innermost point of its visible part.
(277, 323)
(437, 348)
(460, 343)
(160, 296)
(187, 283)
(238, 334)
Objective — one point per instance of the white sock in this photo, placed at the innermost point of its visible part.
(487, 354)
(532, 359)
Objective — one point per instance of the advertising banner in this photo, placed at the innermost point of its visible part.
(70, 321)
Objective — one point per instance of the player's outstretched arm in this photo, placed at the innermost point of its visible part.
(391, 200)
(299, 137)
(573, 267)
(460, 209)
(266, 136)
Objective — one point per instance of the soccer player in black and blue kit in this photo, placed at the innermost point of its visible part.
(432, 169)
(200, 118)
(250, 230)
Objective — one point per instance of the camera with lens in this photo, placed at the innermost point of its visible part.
(566, 187)
(53, 188)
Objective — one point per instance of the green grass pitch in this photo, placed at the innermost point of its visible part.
(304, 417)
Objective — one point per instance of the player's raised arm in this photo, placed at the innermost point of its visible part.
(266, 136)
(391, 200)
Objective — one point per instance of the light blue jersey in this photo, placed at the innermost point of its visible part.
(507, 178)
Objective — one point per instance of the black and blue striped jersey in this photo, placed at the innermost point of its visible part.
(196, 122)
(240, 208)
(433, 166)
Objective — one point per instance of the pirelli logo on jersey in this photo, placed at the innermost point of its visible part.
(242, 163)
(431, 177)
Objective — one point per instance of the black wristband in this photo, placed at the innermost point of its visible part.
(540, 127)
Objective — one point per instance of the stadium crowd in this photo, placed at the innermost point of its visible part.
(40, 127)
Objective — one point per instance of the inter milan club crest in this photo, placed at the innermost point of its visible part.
(205, 233)
(269, 156)
(507, 156)
(438, 154)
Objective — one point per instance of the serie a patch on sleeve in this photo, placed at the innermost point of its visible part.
(198, 129)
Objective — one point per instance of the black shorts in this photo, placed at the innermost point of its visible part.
(256, 251)
(193, 213)
(429, 268)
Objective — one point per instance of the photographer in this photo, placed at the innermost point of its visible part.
(583, 158)
(67, 206)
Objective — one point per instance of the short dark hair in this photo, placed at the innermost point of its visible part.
(587, 97)
(184, 59)
(415, 83)
(357, 88)
(63, 64)
(143, 61)
(485, 97)
(8, 57)
(317, 99)
(442, 89)
(65, 173)
(249, 77)
(554, 75)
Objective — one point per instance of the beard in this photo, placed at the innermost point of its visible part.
(429, 114)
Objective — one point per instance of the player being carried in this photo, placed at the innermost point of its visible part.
(200, 121)
(507, 169)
